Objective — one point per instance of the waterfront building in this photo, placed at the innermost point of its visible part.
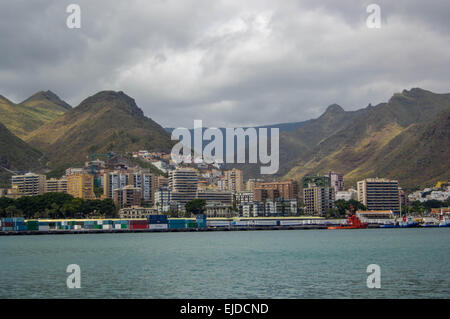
(81, 185)
(29, 184)
(127, 196)
(136, 212)
(347, 195)
(252, 209)
(243, 197)
(143, 181)
(272, 190)
(280, 207)
(219, 210)
(163, 198)
(376, 216)
(336, 181)
(113, 180)
(183, 183)
(379, 194)
(221, 184)
(318, 200)
(234, 180)
(261, 194)
(13, 192)
(54, 185)
(251, 183)
(223, 197)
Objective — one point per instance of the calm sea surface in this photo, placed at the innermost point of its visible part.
(415, 263)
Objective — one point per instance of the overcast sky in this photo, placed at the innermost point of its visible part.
(229, 63)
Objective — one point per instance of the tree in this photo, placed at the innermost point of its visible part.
(12, 211)
(195, 206)
(342, 206)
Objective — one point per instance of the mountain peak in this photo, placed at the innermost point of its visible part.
(334, 108)
(47, 96)
(116, 99)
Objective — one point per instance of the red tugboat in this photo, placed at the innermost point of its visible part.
(353, 222)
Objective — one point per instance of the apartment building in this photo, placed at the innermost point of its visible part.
(114, 180)
(162, 199)
(183, 184)
(273, 190)
(55, 185)
(318, 200)
(136, 212)
(379, 194)
(222, 197)
(127, 196)
(234, 180)
(336, 181)
(243, 197)
(81, 185)
(29, 184)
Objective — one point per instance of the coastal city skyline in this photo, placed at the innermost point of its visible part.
(224, 158)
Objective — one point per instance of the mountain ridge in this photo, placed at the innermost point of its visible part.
(106, 121)
(25, 117)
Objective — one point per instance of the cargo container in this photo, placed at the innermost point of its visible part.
(44, 228)
(218, 223)
(291, 222)
(240, 223)
(201, 220)
(32, 225)
(138, 224)
(177, 223)
(158, 226)
(263, 222)
(107, 227)
(13, 224)
(191, 224)
(157, 219)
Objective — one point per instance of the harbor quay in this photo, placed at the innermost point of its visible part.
(161, 223)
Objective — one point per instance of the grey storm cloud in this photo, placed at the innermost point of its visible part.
(228, 63)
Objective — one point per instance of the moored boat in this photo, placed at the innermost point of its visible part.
(445, 222)
(353, 222)
(407, 222)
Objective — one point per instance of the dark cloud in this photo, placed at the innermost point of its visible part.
(228, 62)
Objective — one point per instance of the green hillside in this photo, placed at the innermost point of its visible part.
(25, 117)
(15, 154)
(384, 141)
(106, 121)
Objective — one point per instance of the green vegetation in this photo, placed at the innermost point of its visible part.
(407, 139)
(25, 117)
(15, 154)
(195, 207)
(419, 208)
(56, 205)
(107, 121)
(342, 207)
